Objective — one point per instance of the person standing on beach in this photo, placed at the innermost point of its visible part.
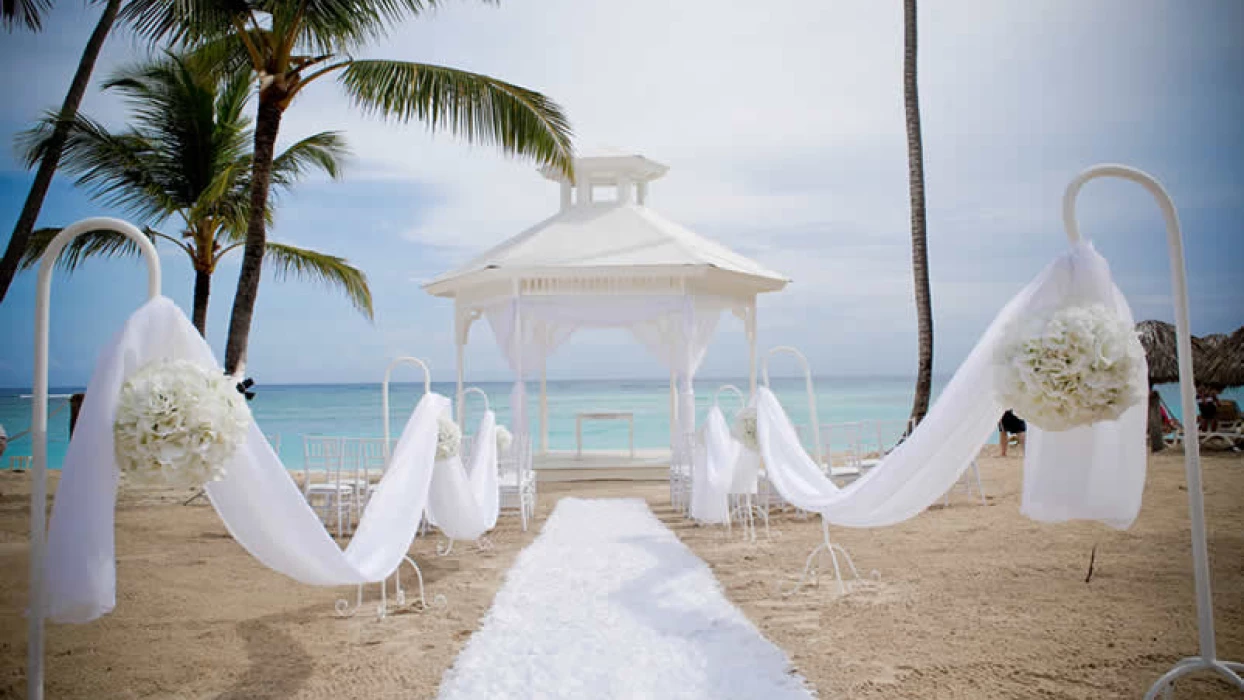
(1010, 424)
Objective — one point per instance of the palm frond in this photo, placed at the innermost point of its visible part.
(120, 169)
(472, 106)
(183, 22)
(325, 151)
(287, 260)
(336, 26)
(103, 243)
(28, 13)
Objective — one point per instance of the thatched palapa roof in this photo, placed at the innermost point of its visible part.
(1224, 365)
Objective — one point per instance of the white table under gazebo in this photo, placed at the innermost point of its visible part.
(605, 262)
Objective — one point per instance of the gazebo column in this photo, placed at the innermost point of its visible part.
(459, 357)
(749, 328)
(544, 406)
(686, 407)
(518, 397)
(673, 408)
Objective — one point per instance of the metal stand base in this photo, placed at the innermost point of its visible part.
(444, 549)
(1227, 669)
(747, 512)
(811, 566)
(345, 609)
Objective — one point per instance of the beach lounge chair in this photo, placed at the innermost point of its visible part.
(1227, 429)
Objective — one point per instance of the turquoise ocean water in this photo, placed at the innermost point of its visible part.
(292, 411)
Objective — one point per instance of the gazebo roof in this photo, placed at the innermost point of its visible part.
(610, 240)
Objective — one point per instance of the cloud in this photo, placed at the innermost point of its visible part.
(783, 125)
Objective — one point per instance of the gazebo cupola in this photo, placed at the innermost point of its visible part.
(625, 177)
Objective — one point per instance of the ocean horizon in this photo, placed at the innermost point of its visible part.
(292, 411)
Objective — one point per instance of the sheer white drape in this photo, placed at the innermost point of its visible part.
(464, 502)
(1095, 472)
(258, 500)
(677, 328)
(714, 470)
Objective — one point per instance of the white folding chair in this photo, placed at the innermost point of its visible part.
(682, 453)
(517, 480)
(333, 497)
(845, 464)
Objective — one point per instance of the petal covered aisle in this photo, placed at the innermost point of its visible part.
(608, 603)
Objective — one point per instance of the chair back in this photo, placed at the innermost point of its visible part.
(322, 454)
(21, 463)
(843, 443)
(517, 459)
(274, 439)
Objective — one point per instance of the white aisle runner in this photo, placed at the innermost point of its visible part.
(608, 603)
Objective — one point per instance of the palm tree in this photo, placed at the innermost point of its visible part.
(919, 240)
(186, 158)
(290, 44)
(29, 14)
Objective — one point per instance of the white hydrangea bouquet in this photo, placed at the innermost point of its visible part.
(448, 437)
(1074, 367)
(177, 424)
(504, 439)
(745, 430)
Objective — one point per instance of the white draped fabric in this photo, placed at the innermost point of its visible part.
(1095, 472)
(259, 502)
(677, 328)
(464, 503)
(713, 470)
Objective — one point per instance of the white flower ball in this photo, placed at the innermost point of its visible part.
(504, 439)
(177, 424)
(745, 430)
(448, 437)
(1078, 366)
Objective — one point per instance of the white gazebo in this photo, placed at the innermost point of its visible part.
(605, 260)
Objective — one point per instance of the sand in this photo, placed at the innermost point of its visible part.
(972, 601)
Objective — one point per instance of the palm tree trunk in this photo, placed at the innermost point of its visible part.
(47, 166)
(919, 242)
(267, 125)
(202, 290)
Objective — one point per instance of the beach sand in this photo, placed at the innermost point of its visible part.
(972, 602)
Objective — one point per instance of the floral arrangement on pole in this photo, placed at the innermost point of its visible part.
(448, 437)
(504, 439)
(745, 430)
(1076, 366)
(178, 424)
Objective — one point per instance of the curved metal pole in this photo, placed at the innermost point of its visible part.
(474, 390)
(384, 394)
(807, 377)
(39, 424)
(731, 389)
(1187, 395)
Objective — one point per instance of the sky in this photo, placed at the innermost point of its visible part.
(782, 124)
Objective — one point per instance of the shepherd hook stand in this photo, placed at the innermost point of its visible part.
(826, 547)
(1207, 660)
(39, 426)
